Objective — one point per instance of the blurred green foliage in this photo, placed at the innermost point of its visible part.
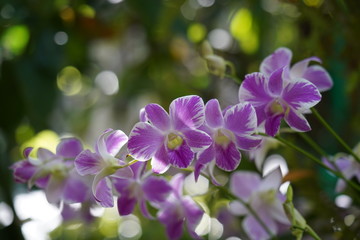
(51, 53)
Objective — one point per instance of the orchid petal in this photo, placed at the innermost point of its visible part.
(126, 204)
(238, 209)
(213, 115)
(177, 183)
(280, 58)
(23, 171)
(75, 189)
(227, 158)
(144, 210)
(44, 155)
(88, 163)
(211, 173)
(142, 115)
(144, 141)
(138, 169)
(69, 148)
(277, 212)
(160, 162)
(297, 121)
(254, 89)
(272, 124)
(299, 68)
(54, 189)
(42, 182)
(114, 140)
(102, 190)
(272, 181)
(197, 140)
(122, 185)
(125, 172)
(156, 189)
(27, 151)
(254, 229)
(276, 82)
(243, 184)
(241, 119)
(247, 142)
(174, 229)
(204, 158)
(187, 112)
(181, 156)
(319, 77)
(157, 116)
(301, 94)
(193, 215)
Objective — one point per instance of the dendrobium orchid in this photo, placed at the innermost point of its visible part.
(275, 98)
(178, 209)
(141, 188)
(170, 139)
(282, 58)
(105, 165)
(347, 165)
(263, 196)
(230, 131)
(54, 172)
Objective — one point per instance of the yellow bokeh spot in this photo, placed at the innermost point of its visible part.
(69, 81)
(250, 43)
(241, 23)
(109, 223)
(15, 39)
(243, 29)
(67, 14)
(87, 11)
(196, 32)
(313, 3)
(45, 139)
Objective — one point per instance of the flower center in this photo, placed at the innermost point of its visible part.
(222, 139)
(268, 196)
(276, 107)
(174, 141)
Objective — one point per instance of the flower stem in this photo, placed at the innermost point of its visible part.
(318, 161)
(337, 137)
(309, 230)
(313, 144)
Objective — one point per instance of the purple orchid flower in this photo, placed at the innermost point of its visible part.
(230, 131)
(347, 165)
(141, 188)
(177, 209)
(264, 197)
(105, 165)
(54, 172)
(275, 98)
(282, 58)
(170, 139)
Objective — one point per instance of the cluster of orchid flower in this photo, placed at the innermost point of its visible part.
(193, 136)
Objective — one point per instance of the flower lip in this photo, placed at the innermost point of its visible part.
(268, 197)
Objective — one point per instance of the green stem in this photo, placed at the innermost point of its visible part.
(337, 137)
(318, 161)
(313, 144)
(309, 230)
